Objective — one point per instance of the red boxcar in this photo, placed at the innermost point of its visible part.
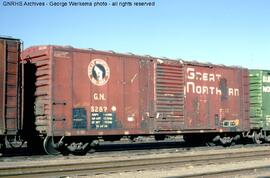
(10, 88)
(81, 92)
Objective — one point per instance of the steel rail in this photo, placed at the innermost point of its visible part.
(227, 173)
(105, 167)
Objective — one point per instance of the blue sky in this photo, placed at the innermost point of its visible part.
(231, 32)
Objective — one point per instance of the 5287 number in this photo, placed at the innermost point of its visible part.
(98, 109)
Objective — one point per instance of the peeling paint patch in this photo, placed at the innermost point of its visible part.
(113, 108)
(100, 133)
(133, 78)
(130, 119)
(67, 133)
(42, 48)
(62, 54)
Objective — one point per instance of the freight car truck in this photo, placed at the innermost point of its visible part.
(259, 105)
(83, 95)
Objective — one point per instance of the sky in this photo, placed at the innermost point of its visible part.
(230, 32)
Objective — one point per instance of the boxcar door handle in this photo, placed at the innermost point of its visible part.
(60, 103)
(59, 119)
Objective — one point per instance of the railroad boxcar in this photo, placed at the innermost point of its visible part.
(82, 95)
(10, 90)
(259, 105)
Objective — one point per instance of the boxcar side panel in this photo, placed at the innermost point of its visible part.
(147, 101)
(216, 98)
(108, 85)
(61, 90)
(38, 85)
(80, 92)
(266, 98)
(256, 104)
(96, 93)
(131, 93)
(169, 96)
(105, 76)
(2, 86)
(10, 86)
(259, 98)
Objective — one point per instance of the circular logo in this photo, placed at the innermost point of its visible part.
(98, 72)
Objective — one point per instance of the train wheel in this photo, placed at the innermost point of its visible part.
(159, 137)
(256, 138)
(15, 142)
(49, 147)
(210, 143)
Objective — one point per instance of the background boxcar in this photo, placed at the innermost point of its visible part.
(83, 95)
(259, 104)
(10, 89)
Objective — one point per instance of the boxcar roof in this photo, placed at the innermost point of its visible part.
(8, 38)
(129, 54)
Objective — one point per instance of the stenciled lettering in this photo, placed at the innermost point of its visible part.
(266, 89)
(191, 87)
(266, 79)
(213, 79)
(99, 108)
(99, 96)
(195, 75)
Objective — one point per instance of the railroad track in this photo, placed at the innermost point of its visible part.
(92, 167)
(229, 172)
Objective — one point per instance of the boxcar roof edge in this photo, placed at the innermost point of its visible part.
(131, 55)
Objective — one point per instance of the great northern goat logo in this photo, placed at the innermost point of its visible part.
(98, 72)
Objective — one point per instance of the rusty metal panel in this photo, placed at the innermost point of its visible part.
(2, 86)
(108, 87)
(10, 86)
(61, 88)
(217, 97)
(169, 93)
(40, 58)
(131, 93)
(86, 92)
(147, 99)
(104, 92)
